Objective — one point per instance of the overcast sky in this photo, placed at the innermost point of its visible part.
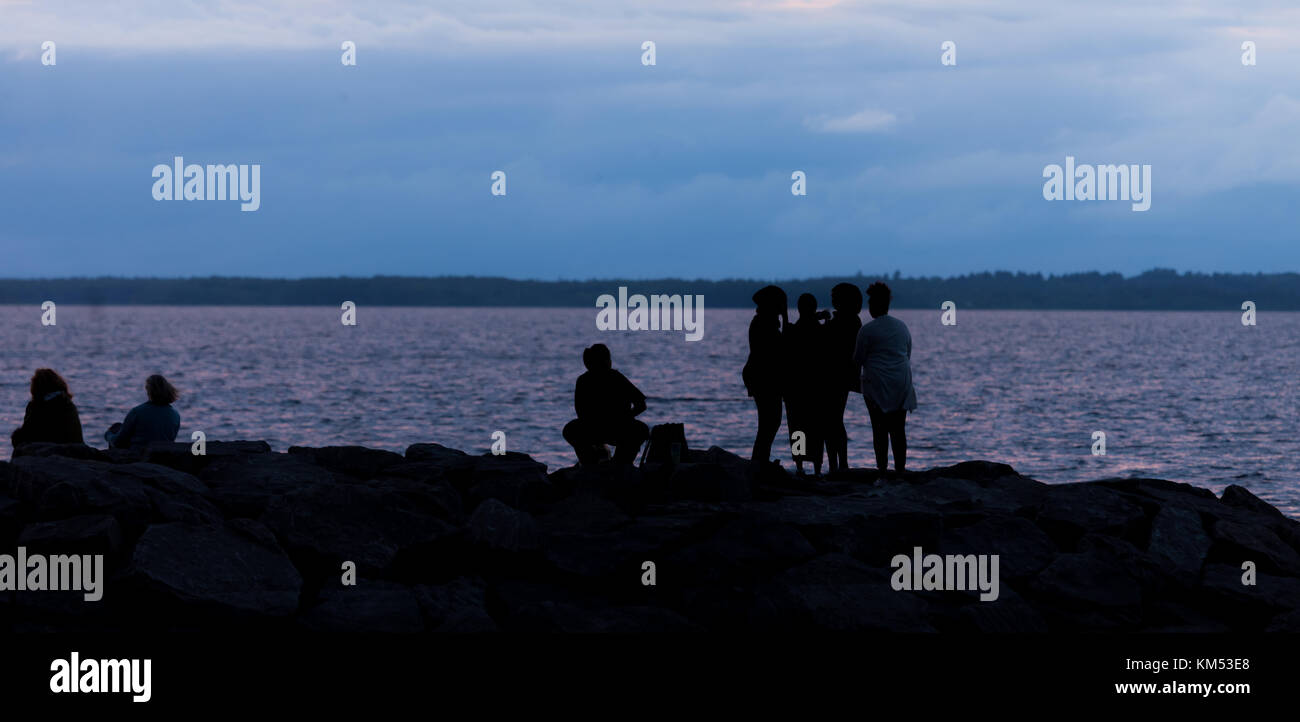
(617, 169)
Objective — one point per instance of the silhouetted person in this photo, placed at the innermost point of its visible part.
(764, 371)
(607, 405)
(842, 372)
(154, 420)
(805, 394)
(51, 416)
(884, 350)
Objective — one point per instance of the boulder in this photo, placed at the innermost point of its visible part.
(1249, 603)
(498, 527)
(837, 593)
(457, 607)
(371, 606)
(1178, 536)
(180, 455)
(326, 524)
(711, 481)
(1023, 549)
(137, 493)
(90, 534)
(437, 454)
(582, 512)
(512, 478)
(234, 567)
(1072, 510)
(1237, 542)
(744, 551)
(1089, 581)
(355, 461)
(1008, 614)
(871, 528)
(1239, 497)
(70, 451)
(244, 485)
(620, 552)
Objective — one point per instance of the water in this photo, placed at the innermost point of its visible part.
(1191, 397)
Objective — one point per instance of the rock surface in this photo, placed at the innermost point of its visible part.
(437, 540)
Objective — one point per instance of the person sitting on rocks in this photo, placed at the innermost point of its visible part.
(607, 405)
(154, 420)
(51, 416)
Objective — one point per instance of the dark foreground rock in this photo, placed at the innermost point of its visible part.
(356, 539)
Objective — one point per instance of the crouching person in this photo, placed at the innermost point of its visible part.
(607, 405)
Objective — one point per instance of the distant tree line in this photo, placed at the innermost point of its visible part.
(1159, 289)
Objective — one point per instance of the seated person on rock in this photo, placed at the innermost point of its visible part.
(51, 416)
(154, 420)
(607, 405)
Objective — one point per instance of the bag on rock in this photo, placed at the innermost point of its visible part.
(667, 445)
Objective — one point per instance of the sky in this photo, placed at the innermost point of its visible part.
(618, 169)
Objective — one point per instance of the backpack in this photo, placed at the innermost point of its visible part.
(660, 449)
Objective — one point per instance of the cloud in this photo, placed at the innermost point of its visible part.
(868, 120)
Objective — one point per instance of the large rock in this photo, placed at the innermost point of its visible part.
(70, 451)
(244, 485)
(90, 534)
(710, 481)
(1023, 549)
(512, 478)
(371, 605)
(1089, 583)
(355, 461)
(1008, 614)
(333, 523)
(871, 528)
(1240, 497)
(136, 494)
(1178, 535)
(1072, 510)
(621, 552)
(1237, 542)
(498, 527)
(457, 607)
(236, 567)
(582, 512)
(1248, 605)
(743, 551)
(837, 593)
(180, 455)
(449, 459)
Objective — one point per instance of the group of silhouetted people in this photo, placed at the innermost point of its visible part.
(813, 364)
(52, 416)
(809, 366)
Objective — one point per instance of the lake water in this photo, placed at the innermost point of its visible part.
(1191, 397)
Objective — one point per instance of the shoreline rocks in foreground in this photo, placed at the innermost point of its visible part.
(443, 541)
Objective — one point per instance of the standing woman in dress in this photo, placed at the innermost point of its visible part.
(884, 350)
(765, 368)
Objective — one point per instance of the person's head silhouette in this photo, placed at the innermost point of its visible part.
(160, 391)
(878, 297)
(596, 358)
(807, 306)
(770, 301)
(846, 298)
(48, 383)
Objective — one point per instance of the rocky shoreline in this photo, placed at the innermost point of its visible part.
(443, 541)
